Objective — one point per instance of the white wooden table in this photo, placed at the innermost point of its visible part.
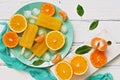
(107, 11)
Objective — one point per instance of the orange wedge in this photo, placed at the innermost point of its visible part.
(79, 64)
(17, 23)
(63, 15)
(55, 40)
(99, 43)
(48, 9)
(57, 58)
(98, 58)
(63, 70)
(10, 39)
(40, 38)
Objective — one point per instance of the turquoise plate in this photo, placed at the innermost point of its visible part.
(64, 51)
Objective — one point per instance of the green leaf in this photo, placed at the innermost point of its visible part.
(83, 49)
(38, 62)
(80, 10)
(94, 25)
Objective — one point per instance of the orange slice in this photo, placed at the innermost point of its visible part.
(98, 58)
(17, 23)
(55, 40)
(79, 64)
(10, 39)
(99, 43)
(63, 70)
(48, 9)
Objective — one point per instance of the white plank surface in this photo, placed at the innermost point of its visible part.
(107, 11)
(94, 9)
(11, 74)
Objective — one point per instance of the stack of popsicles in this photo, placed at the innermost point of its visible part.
(30, 33)
(28, 37)
(27, 41)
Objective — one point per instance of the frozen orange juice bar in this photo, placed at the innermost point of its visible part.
(49, 22)
(28, 37)
(39, 49)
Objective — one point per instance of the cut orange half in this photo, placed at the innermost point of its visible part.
(48, 9)
(10, 39)
(55, 40)
(63, 70)
(99, 43)
(98, 58)
(79, 64)
(17, 23)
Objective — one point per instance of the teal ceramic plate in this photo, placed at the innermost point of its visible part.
(49, 55)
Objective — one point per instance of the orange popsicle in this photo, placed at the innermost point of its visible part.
(49, 22)
(28, 37)
(38, 49)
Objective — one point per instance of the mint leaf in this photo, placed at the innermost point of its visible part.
(80, 10)
(83, 49)
(94, 24)
(38, 62)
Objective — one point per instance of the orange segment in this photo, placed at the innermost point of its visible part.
(63, 70)
(17, 23)
(57, 58)
(79, 64)
(99, 43)
(98, 58)
(63, 15)
(55, 40)
(40, 38)
(48, 9)
(10, 39)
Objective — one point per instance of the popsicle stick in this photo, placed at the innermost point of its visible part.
(32, 56)
(34, 17)
(23, 50)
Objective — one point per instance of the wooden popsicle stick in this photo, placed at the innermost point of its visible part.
(32, 56)
(23, 50)
(34, 17)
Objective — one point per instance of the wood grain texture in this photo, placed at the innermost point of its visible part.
(95, 9)
(11, 74)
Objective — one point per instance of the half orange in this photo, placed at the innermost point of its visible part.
(17, 23)
(98, 58)
(63, 70)
(48, 9)
(55, 40)
(10, 39)
(79, 64)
